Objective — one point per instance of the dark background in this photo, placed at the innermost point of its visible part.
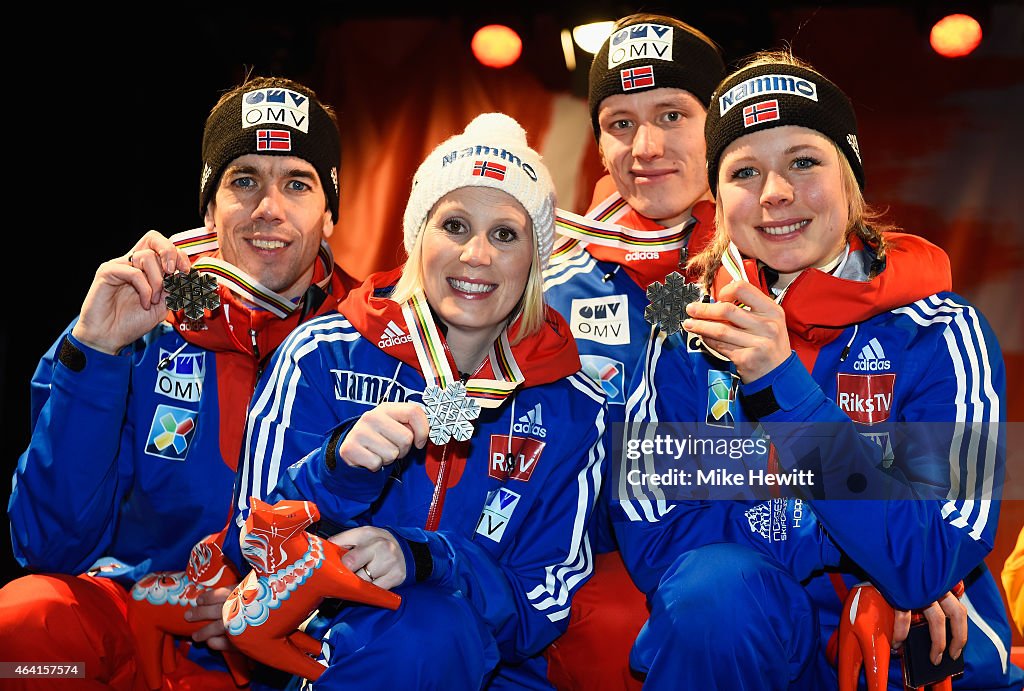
(105, 120)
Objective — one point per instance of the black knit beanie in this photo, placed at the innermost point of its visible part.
(274, 121)
(641, 56)
(765, 96)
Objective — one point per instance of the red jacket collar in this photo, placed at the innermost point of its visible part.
(819, 305)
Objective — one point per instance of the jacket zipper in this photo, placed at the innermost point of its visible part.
(440, 489)
(256, 354)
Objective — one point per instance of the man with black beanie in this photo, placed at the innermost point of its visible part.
(650, 85)
(139, 411)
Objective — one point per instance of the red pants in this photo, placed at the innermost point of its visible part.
(607, 614)
(62, 619)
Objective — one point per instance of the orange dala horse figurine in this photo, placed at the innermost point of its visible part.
(156, 609)
(865, 636)
(293, 571)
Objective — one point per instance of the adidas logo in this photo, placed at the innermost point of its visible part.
(871, 358)
(392, 336)
(531, 423)
(635, 256)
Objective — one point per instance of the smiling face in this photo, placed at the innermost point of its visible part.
(477, 250)
(652, 144)
(270, 214)
(781, 197)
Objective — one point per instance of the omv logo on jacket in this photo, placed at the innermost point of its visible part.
(182, 376)
(603, 320)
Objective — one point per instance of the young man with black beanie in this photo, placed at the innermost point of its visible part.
(649, 88)
(138, 411)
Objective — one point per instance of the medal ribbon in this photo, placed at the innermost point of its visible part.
(201, 240)
(437, 368)
(732, 262)
(491, 393)
(611, 209)
(598, 228)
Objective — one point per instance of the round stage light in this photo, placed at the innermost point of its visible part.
(955, 35)
(496, 45)
(590, 37)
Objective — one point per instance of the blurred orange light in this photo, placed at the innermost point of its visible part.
(496, 45)
(955, 35)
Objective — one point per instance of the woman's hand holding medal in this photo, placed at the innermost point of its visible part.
(744, 325)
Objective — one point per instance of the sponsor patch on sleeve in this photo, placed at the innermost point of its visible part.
(608, 373)
(866, 398)
(501, 503)
(182, 375)
(722, 401)
(171, 432)
(517, 465)
(770, 519)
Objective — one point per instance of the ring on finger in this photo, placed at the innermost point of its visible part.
(369, 575)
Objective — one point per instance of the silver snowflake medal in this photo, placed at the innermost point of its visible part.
(193, 293)
(450, 413)
(668, 302)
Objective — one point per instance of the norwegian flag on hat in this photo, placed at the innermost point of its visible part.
(637, 77)
(488, 169)
(273, 140)
(761, 112)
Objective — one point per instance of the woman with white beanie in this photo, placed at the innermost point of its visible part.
(440, 423)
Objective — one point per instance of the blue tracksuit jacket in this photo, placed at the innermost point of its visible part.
(511, 539)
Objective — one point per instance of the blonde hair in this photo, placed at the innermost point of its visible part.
(775, 57)
(863, 220)
(531, 304)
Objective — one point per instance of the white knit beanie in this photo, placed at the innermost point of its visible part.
(491, 152)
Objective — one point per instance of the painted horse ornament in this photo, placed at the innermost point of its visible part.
(865, 638)
(156, 610)
(293, 572)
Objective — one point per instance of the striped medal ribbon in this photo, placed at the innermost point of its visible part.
(201, 240)
(450, 404)
(598, 227)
